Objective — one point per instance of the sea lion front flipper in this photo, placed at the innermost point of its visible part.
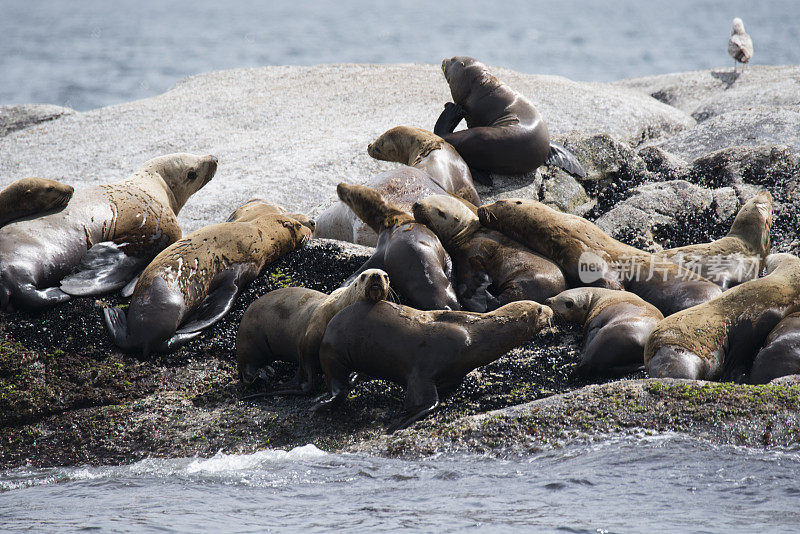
(564, 159)
(127, 291)
(217, 303)
(421, 399)
(449, 119)
(103, 269)
(29, 297)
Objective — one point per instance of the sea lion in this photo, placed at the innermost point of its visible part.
(108, 233)
(590, 257)
(32, 196)
(427, 152)
(194, 282)
(740, 255)
(427, 352)
(719, 339)
(616, 325)
(780, 355)
(402, 187)
(409, 252)
(491, 269)
(256, 207)
(505, 133)
(288, 324)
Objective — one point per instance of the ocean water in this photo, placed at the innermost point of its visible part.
(657, 483)
(91, 53)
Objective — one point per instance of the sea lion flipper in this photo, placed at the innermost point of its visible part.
(103, 269)
(564, 159)
(217, 303)
(31, 298)
(127, 291)
(449, 119)
(421, 399)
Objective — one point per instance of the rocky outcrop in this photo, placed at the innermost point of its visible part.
(13, 118)
(662, 171)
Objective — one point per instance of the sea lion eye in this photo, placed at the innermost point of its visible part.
(518, 202)
(568, 304)
(51, 188)
(191, 175)
(363, 276)
(441, 213)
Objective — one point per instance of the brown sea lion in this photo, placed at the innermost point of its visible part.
(410, 252)
(491, 269)
(288, 324)
(402, 187)
(427, 152)
(108, 233)
(427, 352)
(616, 325)
(32, 196)
(589, 256)
(194, 282)
(740, 255)
(719, 339)
(780, 355)
(505, 133)
(256, 207)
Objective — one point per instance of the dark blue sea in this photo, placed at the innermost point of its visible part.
(91, 53)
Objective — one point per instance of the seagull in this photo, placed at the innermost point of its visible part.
(740, 45)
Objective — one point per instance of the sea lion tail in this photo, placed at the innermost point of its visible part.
(117, 325)
(563, 158)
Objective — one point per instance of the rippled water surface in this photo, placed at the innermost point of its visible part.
(667, 483)
(90, 53)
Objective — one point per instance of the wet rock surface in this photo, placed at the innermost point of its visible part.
(660, 173)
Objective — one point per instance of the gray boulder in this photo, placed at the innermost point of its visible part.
(13, 118)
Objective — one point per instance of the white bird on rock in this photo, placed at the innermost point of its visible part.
(740, 45)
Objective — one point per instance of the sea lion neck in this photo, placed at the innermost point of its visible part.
(421, 146)
(152, 182)
(463, 235)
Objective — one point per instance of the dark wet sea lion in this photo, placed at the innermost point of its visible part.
(719, 339)
(194, 282)
(740, 255)
(409, 252)
(780, 355)
(491, 269)
(427, 352)
(590, 257)
(616, 325)
(32, 197)
(505, 133)
(427, 152)
(402, 187)
(288, 324)
(108, 233)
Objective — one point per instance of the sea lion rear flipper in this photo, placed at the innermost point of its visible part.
(103, 269)
(174, 342)
(563, 158)
(217, 303)
(28, 297)
(117, 325)
(449, 119)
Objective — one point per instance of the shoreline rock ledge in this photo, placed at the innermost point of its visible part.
(670, 160)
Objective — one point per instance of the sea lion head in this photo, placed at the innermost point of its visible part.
(256, 207)
(404, 144)
(538, 315)
(754, 221)
(446, 216)
(496, 214)
(738, 27)
(572, 305)
(464, 75)
(184, 174)
(41, 194)
(372, 284)
(371, 207)
(776, 261)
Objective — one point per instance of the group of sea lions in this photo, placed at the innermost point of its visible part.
(478, 279)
